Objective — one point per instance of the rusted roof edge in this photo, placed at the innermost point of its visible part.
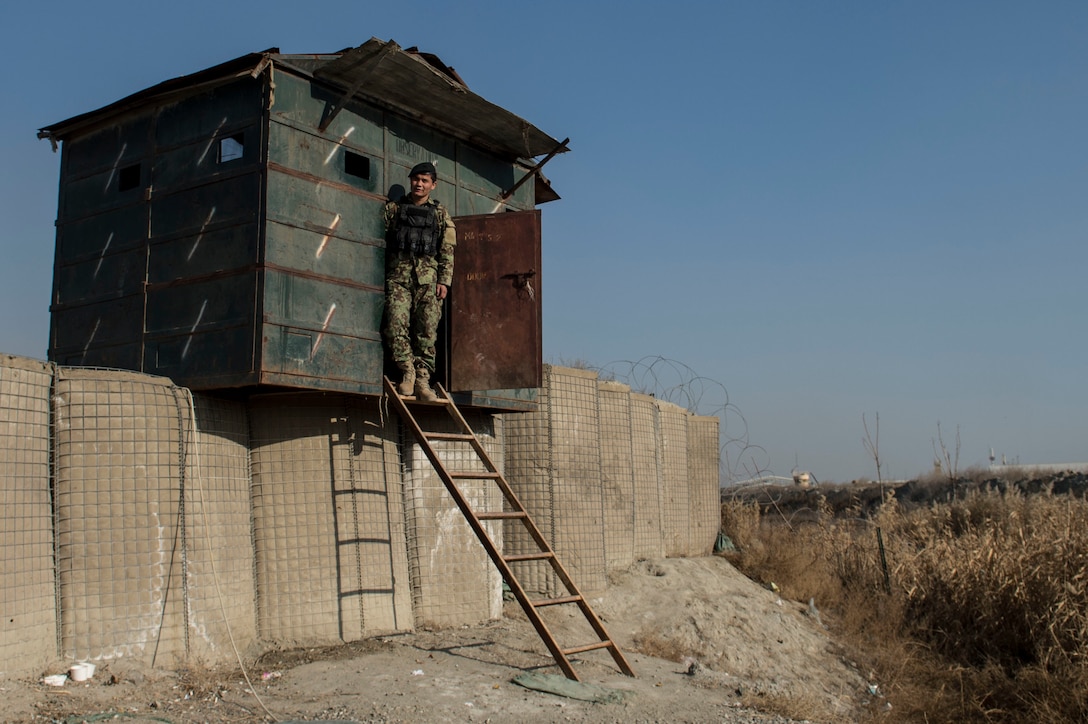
(503, 138)
(250, 63)
(413, 86)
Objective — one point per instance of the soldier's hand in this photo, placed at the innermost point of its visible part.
(441, 290)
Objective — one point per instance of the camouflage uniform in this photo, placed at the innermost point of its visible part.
(412, 309)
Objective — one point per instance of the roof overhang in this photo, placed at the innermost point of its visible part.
(252, 64)
(377, 72)
(383, 74)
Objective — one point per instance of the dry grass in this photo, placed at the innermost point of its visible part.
(988, 616)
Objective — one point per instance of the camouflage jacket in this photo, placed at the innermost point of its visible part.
(437, 269)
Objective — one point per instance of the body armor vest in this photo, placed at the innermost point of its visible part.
(416, 230)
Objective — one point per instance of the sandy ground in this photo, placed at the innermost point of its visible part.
(707, 643)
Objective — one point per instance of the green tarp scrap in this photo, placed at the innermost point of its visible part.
(724, 544)
(562, 686)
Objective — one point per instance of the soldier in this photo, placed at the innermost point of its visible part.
(419, 244)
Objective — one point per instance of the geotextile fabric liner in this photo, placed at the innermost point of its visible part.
(577, 492)
(28, 633)
(453, 579)
(705, 501)
(554, 465)
(120, 545)
(617, 473)
(528, 470)
(646, 466)
(675, 486)
(219, 534)
(328, 519)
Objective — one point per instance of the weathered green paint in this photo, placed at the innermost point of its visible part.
(106, 148)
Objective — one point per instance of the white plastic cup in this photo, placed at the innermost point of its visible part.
(81, 671)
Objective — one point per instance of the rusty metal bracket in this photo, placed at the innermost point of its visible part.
(535, 169)
(363, 77)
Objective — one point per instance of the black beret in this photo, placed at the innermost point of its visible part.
(422, 168)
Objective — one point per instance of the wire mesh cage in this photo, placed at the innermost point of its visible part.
(120, 547)
(27, 598)
(328, 515)
(453, 580)
(617, 473)
(554, 464)
(672, 434)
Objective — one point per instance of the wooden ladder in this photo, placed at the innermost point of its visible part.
(516, 512)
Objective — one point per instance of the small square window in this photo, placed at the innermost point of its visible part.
(128, 177)
(356, 165)
(232, 147)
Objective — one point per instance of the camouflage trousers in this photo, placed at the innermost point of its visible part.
(412, 314)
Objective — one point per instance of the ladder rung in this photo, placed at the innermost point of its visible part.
(416, 401)
(588, 647)
(469, 475)
(502, 515)
(556, 601)
(450, 436)
(529, 557)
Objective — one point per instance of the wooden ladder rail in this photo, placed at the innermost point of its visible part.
(517, 512)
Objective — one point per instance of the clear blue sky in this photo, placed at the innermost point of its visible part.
(830, 208)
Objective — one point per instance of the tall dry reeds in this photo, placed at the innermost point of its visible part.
(988, 615)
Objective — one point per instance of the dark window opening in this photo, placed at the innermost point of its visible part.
(232, 147)
(356, 165)
(128, 178)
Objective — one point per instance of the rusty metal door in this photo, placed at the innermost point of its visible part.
(494, 316)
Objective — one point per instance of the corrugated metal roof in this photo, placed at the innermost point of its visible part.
(414, 84)
(252, 63)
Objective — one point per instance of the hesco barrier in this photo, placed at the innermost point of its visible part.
(28, 627)
(328, 519)
(453, 580)
(145, 521)
(617, 473)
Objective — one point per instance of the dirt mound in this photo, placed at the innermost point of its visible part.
(705, 641)
(727, 624)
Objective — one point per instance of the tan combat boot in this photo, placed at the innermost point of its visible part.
(408, 382)
(423, 389)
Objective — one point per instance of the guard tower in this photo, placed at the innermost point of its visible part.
(224, 229)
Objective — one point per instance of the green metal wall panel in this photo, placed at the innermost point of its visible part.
(488, 177)
(193, 307)
(203, 328)
(320, 158)
(408, 143)
(81, 332)
(470, 203)
(322, 306)
(108, 232)
(97, 279)
(101, 191)
(120, 356)
(325, 256)
(110, 147)
(303, 357)
(221, 355)
(202, 160)
(203, 208)
(206, 116)
(303, 104)
(216, 251)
